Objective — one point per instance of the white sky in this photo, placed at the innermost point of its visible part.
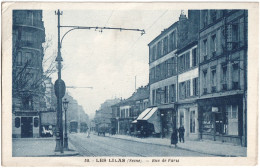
(108, 61)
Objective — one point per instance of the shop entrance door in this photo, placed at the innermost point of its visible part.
(26, 127)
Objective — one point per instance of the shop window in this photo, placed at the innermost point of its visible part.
(181, 118)
(232, 115)
(36, 122)
(207, 124)
(192, 122)
(17, 122)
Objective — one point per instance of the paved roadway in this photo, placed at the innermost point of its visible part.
(107, 146)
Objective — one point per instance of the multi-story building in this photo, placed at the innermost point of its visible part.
(27, 90)
(222, 57)
(163, 79)
(188, 77)
(126, 111)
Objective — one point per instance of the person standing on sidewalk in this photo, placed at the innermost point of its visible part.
(181, 133)
(174, 138)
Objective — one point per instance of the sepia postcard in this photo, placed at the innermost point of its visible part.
(129, 84)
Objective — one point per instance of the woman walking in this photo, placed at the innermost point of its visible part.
(174, 138)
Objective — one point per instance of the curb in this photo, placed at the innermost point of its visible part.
(202, 152)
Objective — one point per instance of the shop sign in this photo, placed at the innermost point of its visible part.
(214, 109)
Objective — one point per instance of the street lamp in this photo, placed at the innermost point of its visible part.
(65, 106)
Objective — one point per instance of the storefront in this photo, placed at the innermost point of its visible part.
(221, 118)
(25, 125)
(188, 118)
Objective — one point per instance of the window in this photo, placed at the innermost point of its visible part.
(29, 58)
(165, 45)
(224, 77)
(205, 49)
(182, 90)
(195, 86)
(187, 61)
(159, 49)
(19, 58)
(188, 88)
(232, 115)
(174, 40)
(192, 122)
(171, 42)
(127, 113)
(213, 45)
(166, 96)
(158, 96)
(213, 15)
(17, 122)
(153, 97)
(36, 122)
(235, 76)
(194, 57)
(205, 81)
(205, 20)
(213, 80)
(172, 93)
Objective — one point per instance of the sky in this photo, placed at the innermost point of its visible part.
(107, 61)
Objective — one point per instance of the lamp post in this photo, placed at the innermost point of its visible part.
(65, 106)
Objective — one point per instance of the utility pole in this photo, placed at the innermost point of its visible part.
(60, 85)
(58, 89)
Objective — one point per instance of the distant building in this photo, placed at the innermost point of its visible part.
(104, 114)
(28, 35)
(126, 111)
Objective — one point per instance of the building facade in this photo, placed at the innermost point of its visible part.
(203, 86)
(27, 90)
(126, 111)
(223, 57)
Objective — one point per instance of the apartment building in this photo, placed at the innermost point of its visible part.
(28, 35)
(222, 72)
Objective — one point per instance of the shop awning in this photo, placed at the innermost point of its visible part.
(135, 121)
(144, 113)
(150, 115)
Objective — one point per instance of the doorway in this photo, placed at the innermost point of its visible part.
(26, 127)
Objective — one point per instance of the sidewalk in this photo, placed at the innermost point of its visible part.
(202, 146)
(38, 147)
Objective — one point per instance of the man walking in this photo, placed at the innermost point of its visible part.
(181, 133)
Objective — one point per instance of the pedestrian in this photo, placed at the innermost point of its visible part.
(181, 133)
(174, 138)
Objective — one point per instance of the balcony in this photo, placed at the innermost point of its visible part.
(205, 91)
(213, 89)
(224, 86)
(28, 22)
(235, 85)
(28, 44)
